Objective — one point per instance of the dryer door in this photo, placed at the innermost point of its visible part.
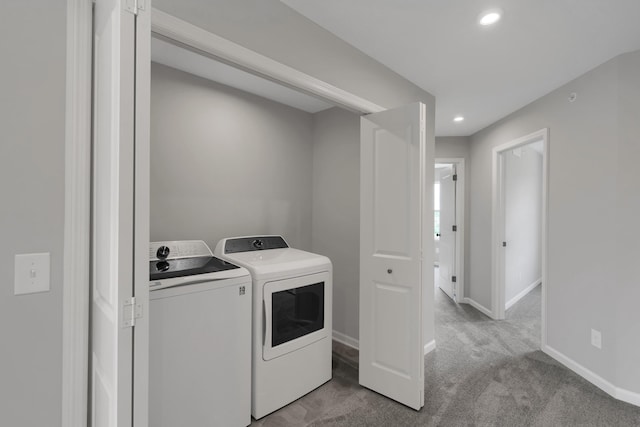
(296, 313)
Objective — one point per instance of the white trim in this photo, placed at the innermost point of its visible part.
(460, 221)
(353, 343)
(522, 294)
(627, 396)
(172, 28)
(346, 340)
(429, 347)
(595, 379)
(142, 216)
(77, 232)
(497, 225)
(481, 308)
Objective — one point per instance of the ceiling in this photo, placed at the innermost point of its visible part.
(185, 60)
(482, 73)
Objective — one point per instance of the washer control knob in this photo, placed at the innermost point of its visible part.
(163, 252)
(162, 266)
(258, 243)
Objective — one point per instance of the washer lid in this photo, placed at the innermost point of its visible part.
(179, 267)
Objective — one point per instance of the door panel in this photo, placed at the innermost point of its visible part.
(391, 243)
(391, 348)
(447, 267)
(391, 193)
(112, 214)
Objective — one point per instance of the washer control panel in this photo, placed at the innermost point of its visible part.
(160, 251)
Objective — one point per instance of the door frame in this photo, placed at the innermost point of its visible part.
(77, 214)
(460, 222)
(78, 172)
(498, 223)
(189, 36)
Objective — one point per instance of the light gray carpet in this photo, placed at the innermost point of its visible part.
(482, 373)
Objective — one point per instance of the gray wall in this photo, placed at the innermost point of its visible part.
(277, 31)
(32, 105)
(626, 294)
(226, 163)
(592, 183)
(523, 220)
(267, 26)
(458, 146)
(271, 28)
(336, 209)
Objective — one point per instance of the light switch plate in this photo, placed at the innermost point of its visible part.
(31, 273)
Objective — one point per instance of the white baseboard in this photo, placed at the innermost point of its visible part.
(595, 379)
(522, 294)
(627, 396)
(353, 343)
(429, 347)
(346, 340)
(477, 306)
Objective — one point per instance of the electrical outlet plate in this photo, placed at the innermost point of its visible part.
(596, 339)
(31, 273)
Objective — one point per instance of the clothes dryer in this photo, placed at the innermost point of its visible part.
(292, 318)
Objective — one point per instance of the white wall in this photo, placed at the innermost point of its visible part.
(32, 120)
(523, 221)
(592, 180)
(226, 163)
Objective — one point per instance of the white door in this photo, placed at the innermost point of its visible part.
(392, 180)
(447, 255)
(112, 215)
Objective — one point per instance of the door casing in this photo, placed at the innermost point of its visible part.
(460, 222)
(498, 224)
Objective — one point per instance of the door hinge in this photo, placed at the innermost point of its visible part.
(453, 279)
(455, 176)
(454, 228)
(134, 6)
(131, 310)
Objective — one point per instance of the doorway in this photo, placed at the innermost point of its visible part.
(519, 220)
(129, 373)
(449, 227)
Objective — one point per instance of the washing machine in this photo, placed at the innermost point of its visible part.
(199, 338)
(292, 318)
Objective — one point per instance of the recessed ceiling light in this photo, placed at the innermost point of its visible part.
(490, 17)
(458, 118)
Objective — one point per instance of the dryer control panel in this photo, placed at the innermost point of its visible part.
(254, 243)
